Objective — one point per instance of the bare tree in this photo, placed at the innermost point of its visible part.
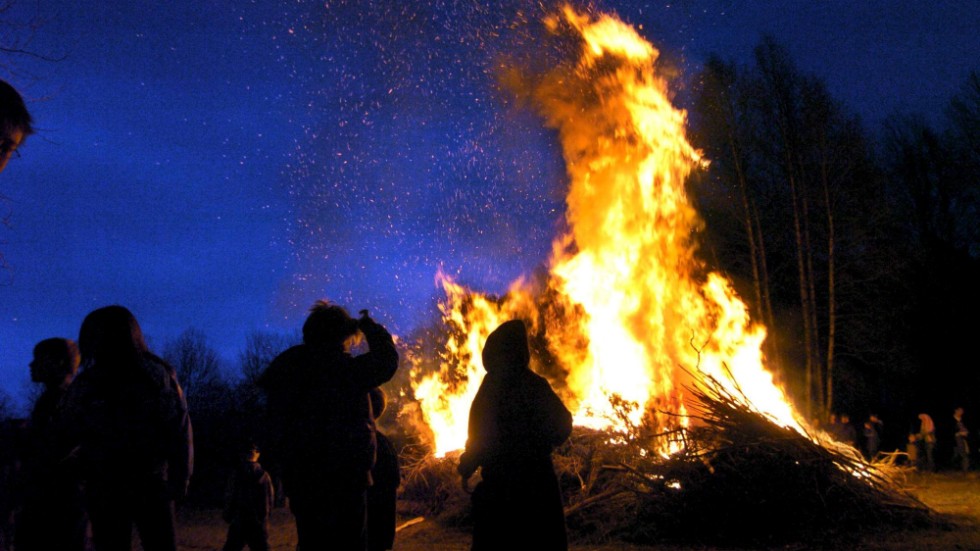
(6, 406)
(726, 132)
(19, 25)
(197, 365)
(780, 86)
(963, 141)
(795, 176)
(260, 349)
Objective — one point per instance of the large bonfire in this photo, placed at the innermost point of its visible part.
(679, 421)
(627, 312)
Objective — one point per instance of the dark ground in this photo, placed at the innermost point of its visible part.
(952, 496)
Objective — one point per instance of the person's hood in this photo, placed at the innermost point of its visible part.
(506, 349)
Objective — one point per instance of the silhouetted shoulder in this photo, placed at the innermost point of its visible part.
(556, 421)
(160, 372)
(279, 369)
(539, 382)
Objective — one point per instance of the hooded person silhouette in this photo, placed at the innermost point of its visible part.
(516, 421)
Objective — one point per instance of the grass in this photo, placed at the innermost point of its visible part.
(955, 497)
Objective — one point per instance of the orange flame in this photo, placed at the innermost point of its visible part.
(638, 316)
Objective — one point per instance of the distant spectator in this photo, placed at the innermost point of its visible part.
(52, 515)
(912, 451)
(833, 426)
(961, 449)
(926, 440)
(872, 440)
(874, 430)
(15, 122)
(848, 434)
(249, 498)
(815, 423)
(878, 424)
(382, 495)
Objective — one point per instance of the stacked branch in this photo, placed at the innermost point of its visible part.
(431, 488)
(741, 478)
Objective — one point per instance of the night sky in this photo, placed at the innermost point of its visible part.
(222, 164)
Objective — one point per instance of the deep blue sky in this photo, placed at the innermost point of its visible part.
(221, 164)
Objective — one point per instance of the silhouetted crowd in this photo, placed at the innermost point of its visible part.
(103, 451)
(921, 445)
(109, 445)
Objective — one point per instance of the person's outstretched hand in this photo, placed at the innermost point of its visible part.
(365, 321)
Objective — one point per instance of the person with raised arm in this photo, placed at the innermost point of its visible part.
(320, 426)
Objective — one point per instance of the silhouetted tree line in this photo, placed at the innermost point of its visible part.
(858, 249)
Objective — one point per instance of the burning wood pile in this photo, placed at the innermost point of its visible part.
(740, 478)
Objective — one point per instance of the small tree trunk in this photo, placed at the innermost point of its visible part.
(831, 292)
